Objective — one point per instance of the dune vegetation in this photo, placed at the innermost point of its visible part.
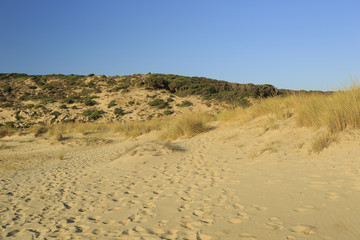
(334, 112)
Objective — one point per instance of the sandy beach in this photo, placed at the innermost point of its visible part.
(229, 183)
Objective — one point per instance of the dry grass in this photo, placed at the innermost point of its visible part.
(186, 126)
(137, 128)
(6, 131)
(61, 156)
(335, 112)
(322, 141)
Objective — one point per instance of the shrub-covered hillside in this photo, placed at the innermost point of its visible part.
(27, 99)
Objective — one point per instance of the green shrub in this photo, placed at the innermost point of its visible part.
(69, 100)
(87, 113)
(48, 100)
(112, 103)
(93, 114)
(170, 100)
(119, 112)
(55, 113)
(89, 101)
(6, 105)
(168, 112)
(159, 103)
(185, 103)
(63, 106)
(29, 106)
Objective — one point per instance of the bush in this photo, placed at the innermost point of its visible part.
(159, 103)
(63, 106)
(6, 105)
(168, 112)
(119, 112)
(185, 103)
(112, 103)
(29, 106)
(55, 113)
(69, 100)
(89, 101)
(93, 114)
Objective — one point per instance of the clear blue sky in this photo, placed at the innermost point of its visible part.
(295, 44)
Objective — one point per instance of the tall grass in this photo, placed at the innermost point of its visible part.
(137, 128)
(335, 112)
(186, 126)
(171, 127)
(6, 131)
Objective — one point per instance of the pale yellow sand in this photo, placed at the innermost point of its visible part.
(230, 183)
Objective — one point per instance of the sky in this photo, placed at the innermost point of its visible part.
(292, 44)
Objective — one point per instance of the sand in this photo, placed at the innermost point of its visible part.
(233, 182)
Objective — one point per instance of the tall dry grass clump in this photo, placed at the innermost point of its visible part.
(335, 112)
(186, 126)
(6, 131)
(137, 128)
(278, 107)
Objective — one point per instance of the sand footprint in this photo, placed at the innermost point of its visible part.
(332, 196)
(305, 229)
(304, 209)
(274, 223)
(247, 236)
(258, 208)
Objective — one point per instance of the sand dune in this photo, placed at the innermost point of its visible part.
(230, 183)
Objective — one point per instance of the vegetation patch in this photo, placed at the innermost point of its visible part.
(168, 112)
(119, 112)
(159, 103)
(186, 126)
(93, 114)
(111, 104)
(185, 103)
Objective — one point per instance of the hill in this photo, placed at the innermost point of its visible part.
(29, 99)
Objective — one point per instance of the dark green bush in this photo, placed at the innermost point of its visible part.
(168, 112)
(29, 106)
(119, 112)
(112, 103)
(89, 101)
(93, 114)
(185, 103)
(63, 106)
(69, 100)
(159, 103)
(55, 113)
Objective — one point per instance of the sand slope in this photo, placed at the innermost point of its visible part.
(230, 183)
